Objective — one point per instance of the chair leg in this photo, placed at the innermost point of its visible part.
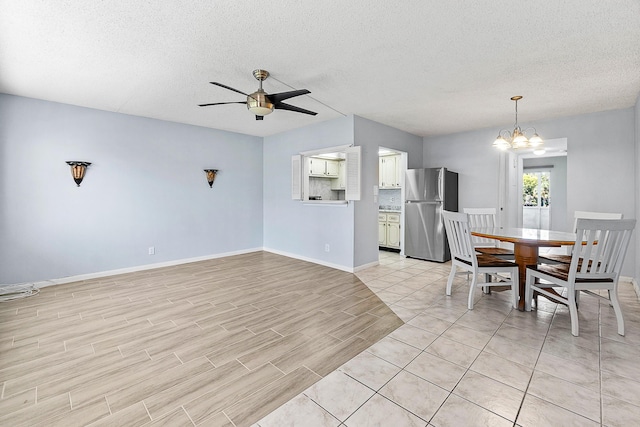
(528, 291)
(515, 288)
(472, 291)
(613, 297)
(487, 289)
(452, 274)
(573, 311)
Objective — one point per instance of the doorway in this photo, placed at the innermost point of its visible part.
(513, 166)
(392, 165)
(536, 201)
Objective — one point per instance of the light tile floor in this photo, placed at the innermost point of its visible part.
(492, 366)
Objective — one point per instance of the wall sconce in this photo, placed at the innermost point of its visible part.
(77, 170)
(211, 176)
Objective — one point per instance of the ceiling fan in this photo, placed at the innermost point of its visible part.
(260, 102)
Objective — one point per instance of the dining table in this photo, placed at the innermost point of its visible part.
(526, 242)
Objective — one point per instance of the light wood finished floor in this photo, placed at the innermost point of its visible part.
(207, 343)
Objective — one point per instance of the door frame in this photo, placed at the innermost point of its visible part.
(404, 162)
(511, 167)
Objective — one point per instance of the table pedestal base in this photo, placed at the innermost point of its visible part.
(524, 255)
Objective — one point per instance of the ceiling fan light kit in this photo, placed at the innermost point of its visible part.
(261, 103)
(257, 102)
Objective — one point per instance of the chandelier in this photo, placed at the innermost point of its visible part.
(518, 138)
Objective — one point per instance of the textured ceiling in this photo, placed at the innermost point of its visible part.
(425, 66)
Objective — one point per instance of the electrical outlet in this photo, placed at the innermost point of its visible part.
(326, 247)
(392, 199)
(152, 250)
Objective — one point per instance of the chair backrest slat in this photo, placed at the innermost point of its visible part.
(600, 248)
(593, 215)
(481, 218)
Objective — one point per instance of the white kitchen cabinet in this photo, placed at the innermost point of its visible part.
(399, 171)
(382, 229)
(340, 183)
(316, 167)
(323, 168)
(389, 230)
(332, 168)
(389, 171)
(393, 230)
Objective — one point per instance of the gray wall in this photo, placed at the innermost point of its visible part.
(600, 163)
(295, 228)
(146, 187)
(475, 161)
(372, 135)
(302, 230)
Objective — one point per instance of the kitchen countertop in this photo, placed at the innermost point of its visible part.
(387, 208)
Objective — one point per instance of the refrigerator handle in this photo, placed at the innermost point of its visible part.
(440, 185)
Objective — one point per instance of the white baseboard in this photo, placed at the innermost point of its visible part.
(365, 266)
(136, 268)
(88, 276)
(313, 260)
(99, 274)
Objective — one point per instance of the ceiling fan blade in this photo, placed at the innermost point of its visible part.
(221, 103)
(283, 106)
(259, 117)
(277, 97)
(228, 87)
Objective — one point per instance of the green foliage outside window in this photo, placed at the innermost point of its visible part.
(530, 196)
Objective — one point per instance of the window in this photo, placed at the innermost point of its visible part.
(536, 202)
(535, 189)
(329, 176)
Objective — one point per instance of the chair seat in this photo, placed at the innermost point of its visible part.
(562, 259)
(561, 271)
(487, 261)
(495, 251)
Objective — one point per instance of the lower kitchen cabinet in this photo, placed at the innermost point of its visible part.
(382, 229)
(389, 230)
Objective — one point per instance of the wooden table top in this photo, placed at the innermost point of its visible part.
(527, 236)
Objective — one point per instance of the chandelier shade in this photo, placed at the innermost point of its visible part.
(518, 138)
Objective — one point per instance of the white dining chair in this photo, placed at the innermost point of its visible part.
(596, 261)
(465, 257)
(486, 218)
(566, 259)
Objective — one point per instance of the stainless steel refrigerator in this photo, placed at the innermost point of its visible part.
(427, 193)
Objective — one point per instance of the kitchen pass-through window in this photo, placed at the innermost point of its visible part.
(326, 176)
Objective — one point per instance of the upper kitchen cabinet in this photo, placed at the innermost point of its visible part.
(389, 171)
(341, 182)
(324, 167)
